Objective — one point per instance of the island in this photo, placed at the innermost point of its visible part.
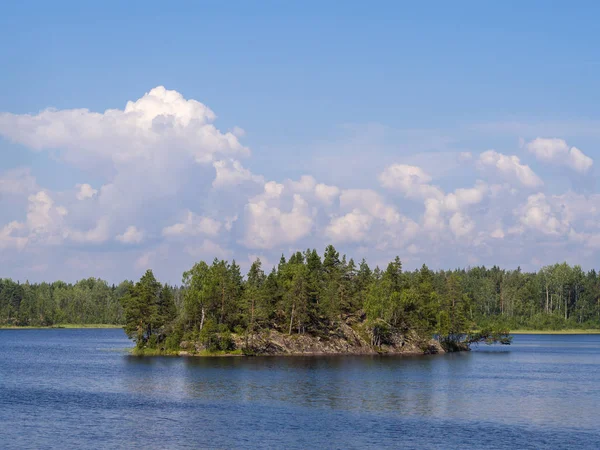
(312, 304)
(307, 305)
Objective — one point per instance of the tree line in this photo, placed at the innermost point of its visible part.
(89, 301)
(307, 293)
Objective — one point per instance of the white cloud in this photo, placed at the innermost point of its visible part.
(85, 191)
(510, 167)
(144, 161)
(304, 185)
(273, 190)
(371, 202)
(352, 227)
(326, 194)
(558, 152)
(46, 225)
(153, 127)
(230, 172)
(410, 180)
(7, 238)
(367, 210)
(538, 215)
(269, 225)
(97, 235)
(131, 236)
(461, 225)
(432, 217)
(464, 197)
(414, 182)
(193, 225)
(45, 221)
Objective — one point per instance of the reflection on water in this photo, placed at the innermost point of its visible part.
(71, 388)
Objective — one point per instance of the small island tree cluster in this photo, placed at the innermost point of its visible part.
(305, 294)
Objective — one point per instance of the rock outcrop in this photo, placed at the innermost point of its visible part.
(347, 339)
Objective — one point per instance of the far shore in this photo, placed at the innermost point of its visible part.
(67, 325)
(107, 325)
(570, 331)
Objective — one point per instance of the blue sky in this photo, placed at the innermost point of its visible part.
(389, 104)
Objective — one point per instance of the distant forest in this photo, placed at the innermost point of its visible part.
(307, 289)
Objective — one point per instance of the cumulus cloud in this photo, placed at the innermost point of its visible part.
(464, 197)
(269, 224)
(367, 210)
(410, 180)
(537, 214)
(306, 183)
(326, 194)
(131, 236)
(557, 151)
(8, 239)
(230, 172)
(461, 225)
(371, 202)
(85, 191)
(439, 207)
(46, 224)
(45, 220)
(352, 227)
(161, 157)
(509, 167)
(160, 123)
(98, 234)
(193, 225)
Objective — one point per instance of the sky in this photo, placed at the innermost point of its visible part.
(137, 135)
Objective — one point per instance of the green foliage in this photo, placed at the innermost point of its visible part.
(381, 333)
(215, 337)
(89, 301)
(307, 294)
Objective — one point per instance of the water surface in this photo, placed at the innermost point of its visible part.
(70, 388)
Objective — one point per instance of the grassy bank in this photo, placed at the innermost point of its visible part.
(66, 325)
(568, 331)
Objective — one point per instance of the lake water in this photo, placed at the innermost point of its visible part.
(80, 389)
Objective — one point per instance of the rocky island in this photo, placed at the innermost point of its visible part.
(307, 305)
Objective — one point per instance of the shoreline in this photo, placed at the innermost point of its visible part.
(239, 354)
(61, 326)
(557, 332)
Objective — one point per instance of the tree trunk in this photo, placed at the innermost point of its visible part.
(202, 319)
(223, 303)
(252, 319)
(292, 317)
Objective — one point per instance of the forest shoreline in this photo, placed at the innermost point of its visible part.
(346, 340)
(71, 326)
(110, 326)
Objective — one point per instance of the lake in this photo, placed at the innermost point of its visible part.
(69, 388)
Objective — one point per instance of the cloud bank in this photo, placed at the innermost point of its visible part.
(174, 189)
